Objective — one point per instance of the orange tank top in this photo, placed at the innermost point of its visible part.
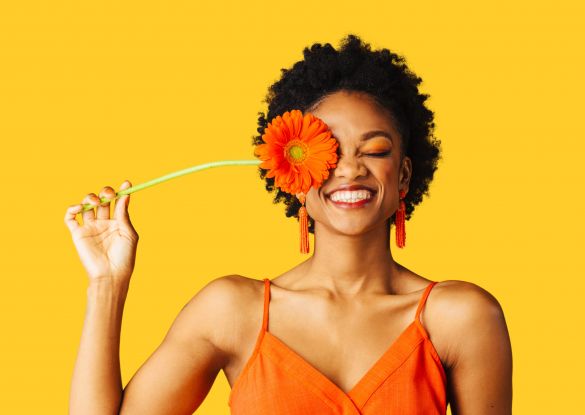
(407, 379)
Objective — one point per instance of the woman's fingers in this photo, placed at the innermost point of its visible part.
(70, 215)
(103, 210)
(89, 215)
(121, 208)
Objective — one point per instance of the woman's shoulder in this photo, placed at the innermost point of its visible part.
(231, 294)
(232, 304)
(228, 288)
(459, 310)
(464, 298)
(450, 298)
(233, 285)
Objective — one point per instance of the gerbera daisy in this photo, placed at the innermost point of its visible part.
(298, 151)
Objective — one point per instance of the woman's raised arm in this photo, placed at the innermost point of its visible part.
(107, 249)
(180, 372)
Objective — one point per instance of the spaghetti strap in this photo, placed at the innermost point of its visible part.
(266, 303)
(421, 304)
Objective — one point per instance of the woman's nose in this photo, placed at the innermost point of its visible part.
(349, 167)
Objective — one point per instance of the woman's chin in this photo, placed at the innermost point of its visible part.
(349, 226)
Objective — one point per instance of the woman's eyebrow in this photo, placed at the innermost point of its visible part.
(376, 133)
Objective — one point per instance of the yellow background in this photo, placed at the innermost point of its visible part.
(92, 93)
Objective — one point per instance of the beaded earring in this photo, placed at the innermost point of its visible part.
(399, 220)
(304, 224)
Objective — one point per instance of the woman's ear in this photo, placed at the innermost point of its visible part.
(405, 174)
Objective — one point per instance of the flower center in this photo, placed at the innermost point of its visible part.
(295, 151)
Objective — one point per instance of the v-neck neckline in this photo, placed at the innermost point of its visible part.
(396, 353)
(351, 402)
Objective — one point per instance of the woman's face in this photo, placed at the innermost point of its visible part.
(365, 157)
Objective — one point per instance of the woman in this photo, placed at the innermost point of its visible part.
(347, 331)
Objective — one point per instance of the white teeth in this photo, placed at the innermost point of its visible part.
(350, 196)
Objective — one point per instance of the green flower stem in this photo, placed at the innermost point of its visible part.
(89, 206)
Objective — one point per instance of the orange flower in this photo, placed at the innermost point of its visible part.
(298, 151)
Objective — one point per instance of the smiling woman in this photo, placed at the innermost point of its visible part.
(382, 77)
(346, 335)
(347, 331)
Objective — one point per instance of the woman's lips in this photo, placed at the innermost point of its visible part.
(349, 205)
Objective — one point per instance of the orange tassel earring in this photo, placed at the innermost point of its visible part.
(399, 222)
(304, 222)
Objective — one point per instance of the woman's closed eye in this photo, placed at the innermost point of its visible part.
(385, 153)
(377, 154)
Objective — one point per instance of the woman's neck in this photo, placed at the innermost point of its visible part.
(350, 264)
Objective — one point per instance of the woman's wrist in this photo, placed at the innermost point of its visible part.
(108, 289)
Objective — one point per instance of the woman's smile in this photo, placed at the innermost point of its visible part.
(351, 200)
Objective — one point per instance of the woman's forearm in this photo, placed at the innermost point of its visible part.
(96, 386)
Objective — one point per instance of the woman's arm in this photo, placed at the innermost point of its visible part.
(177, 377)
(179, 374)
(96, 386)
(480, 374)
(107, 248)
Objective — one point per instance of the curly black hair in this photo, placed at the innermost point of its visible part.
(354, 67)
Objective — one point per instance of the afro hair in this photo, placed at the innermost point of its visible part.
(354, 67)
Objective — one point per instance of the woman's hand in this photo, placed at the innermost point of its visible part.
(106, 247)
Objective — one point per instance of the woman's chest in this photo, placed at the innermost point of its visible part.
(341, 344)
